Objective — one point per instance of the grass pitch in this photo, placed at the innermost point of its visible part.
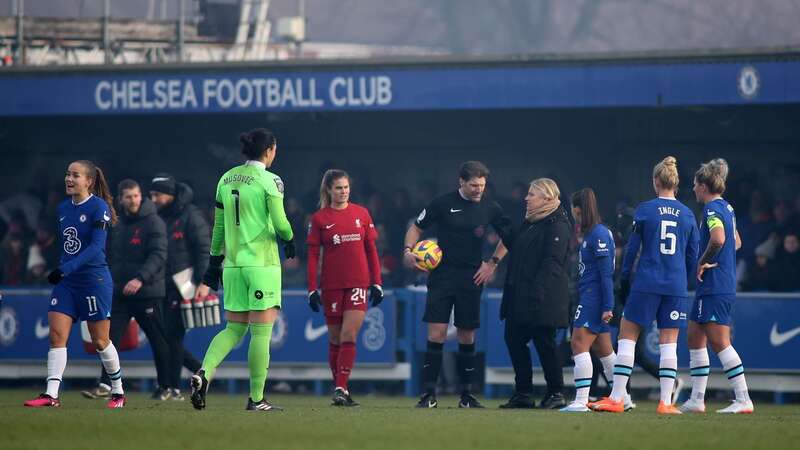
(380, 423)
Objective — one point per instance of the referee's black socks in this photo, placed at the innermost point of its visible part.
(432, 366)
(466, 366)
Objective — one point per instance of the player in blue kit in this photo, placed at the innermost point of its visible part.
(665, 237)
(590, 328)
(83, 282)
(710, 318)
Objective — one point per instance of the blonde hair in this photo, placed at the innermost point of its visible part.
(327, 184)
(713, 174)
(547, 187)
(666, 173)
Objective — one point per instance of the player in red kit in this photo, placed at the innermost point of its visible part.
(350, 273)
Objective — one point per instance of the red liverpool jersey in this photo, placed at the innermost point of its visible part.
(349, 258)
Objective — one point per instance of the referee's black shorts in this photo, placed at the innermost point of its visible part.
(453, 288)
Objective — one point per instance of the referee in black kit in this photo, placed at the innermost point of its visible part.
(461, 218)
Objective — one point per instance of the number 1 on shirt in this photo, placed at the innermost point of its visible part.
(235, 194)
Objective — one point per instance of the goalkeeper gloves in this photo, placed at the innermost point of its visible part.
(213, 276)
(289, 249)
(375, 294)
(314, 300)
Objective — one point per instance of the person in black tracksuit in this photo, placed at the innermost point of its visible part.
(137, 253)
(188, 246)
(536, 295)
(461, 219)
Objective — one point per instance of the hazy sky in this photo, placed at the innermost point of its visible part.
(509, 26)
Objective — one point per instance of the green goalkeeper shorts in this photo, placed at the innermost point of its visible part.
(251, 288)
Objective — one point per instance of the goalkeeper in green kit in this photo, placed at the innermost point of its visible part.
(249, 219)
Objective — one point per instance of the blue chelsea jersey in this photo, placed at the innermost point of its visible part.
(82, 230)
(666, 232)
(720, 279)
(596, 265)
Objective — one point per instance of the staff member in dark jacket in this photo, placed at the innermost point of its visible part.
(188, 246)
(535, 295)
(137, 253)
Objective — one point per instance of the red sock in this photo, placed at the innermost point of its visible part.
(347, 356)
(333, 359)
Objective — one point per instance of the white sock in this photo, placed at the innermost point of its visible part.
(623, 367)
(734, 370)
(608, 367)
(667, 370)
(583, 377)
(110, 359)
(56, 363)
(700, 365)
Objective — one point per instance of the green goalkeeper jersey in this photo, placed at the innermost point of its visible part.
(249, 217)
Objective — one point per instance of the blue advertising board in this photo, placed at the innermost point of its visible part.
(400, 89)
(766, 334)
(299, 336)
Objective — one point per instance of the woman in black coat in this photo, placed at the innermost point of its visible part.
(535, 295)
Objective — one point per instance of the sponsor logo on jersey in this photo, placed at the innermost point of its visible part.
(259, 295)
(82, 218)
(106, 217)
(421, 216)
(674, 315)
(341, 238)
(53, 301)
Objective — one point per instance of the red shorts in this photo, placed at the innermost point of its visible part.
(337, 301)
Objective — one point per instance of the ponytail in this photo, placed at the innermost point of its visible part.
(100, 186)
(666, 173)
(713, 174)
(586, 200)
(255, 142)
(330, 176)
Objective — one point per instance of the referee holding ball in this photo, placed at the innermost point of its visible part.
(461, 218)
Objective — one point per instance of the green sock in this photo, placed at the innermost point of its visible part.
(221, 345)
(258, 358)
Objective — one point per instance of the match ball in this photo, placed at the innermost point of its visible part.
(429, 253)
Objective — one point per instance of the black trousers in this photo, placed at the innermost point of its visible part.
(174, 333)
(517, 337)
(146, 315)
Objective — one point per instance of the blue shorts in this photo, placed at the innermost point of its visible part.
(669, 311)
(84, 297)
(590, 315)
(713, 308)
